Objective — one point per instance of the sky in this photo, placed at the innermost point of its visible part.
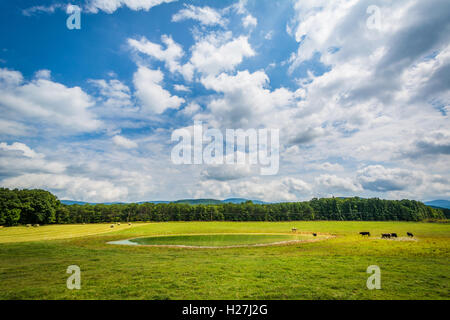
(359, 91)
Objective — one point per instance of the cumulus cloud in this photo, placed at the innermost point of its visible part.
(220, 52)
(44, 102)
(210, 55)
(21, 148)
(279, 189)
(43, 74)
(124, 142)
(228, 172)
(68, 187)
(114, 93)
(181, 88)
(191, 109)
(171, 55)
(205, 15)
(326, 166)
(110, 6)
(153, 97)
(247, 101)
(249, 21)
(381, 179)
(18, 158)
(332, 183)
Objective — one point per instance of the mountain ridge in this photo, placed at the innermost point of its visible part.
(182, 201)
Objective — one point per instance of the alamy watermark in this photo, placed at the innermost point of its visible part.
(374, 281)
(374, 20)
(209, 147)
(74, 280)
(74, 20)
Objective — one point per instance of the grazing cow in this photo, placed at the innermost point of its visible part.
(385, 236)
(365, 234)
(294, 229)
(112, 226)
(394, 235)
(410, 234)
(315, 234)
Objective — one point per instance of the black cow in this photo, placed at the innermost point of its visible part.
(385, 236)
(315, 234)
(410, 234)
(394, 235)
(365, 234)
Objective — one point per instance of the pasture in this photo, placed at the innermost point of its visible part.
(33, 261)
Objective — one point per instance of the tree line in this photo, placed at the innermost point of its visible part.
(42, 207)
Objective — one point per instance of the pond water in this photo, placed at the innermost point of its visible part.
(213, 240)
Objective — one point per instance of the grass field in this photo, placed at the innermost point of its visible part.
(33, 262)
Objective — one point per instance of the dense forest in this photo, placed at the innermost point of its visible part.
(42, 207)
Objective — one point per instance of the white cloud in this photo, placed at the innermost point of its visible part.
(171, 55)
(249, 21)
(22, 148)
(246, 101)
(41, 9)
(114, 93)
(110, 6)
(124, 142)
(326, 166)
(279, 189)
(191, 109)
(380, 179)
(43, 74)
(211, 54)
(18, 158)
(269, 35)
(153, 97)
(44, 102)
(13, 128)
(332, 183)
(68, 187)
(205, 15)
(228, 172)
(181, 88)
(218, 53)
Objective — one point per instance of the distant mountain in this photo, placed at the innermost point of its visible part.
(438, 204)
(81, 203)
(240, 200)
(184, 201)
(199, 201)
(71, 202)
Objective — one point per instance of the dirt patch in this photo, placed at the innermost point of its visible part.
(399, 239)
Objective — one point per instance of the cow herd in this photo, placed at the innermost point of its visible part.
(386, 235)
(367, 234)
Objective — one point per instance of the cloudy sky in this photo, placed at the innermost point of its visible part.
(360, 91)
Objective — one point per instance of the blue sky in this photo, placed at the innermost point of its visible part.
(360, 96)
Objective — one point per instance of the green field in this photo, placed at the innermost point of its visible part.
(33, 262)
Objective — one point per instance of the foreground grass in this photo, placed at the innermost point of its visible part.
(330, 269)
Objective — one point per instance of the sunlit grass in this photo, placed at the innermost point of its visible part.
(54, 232)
